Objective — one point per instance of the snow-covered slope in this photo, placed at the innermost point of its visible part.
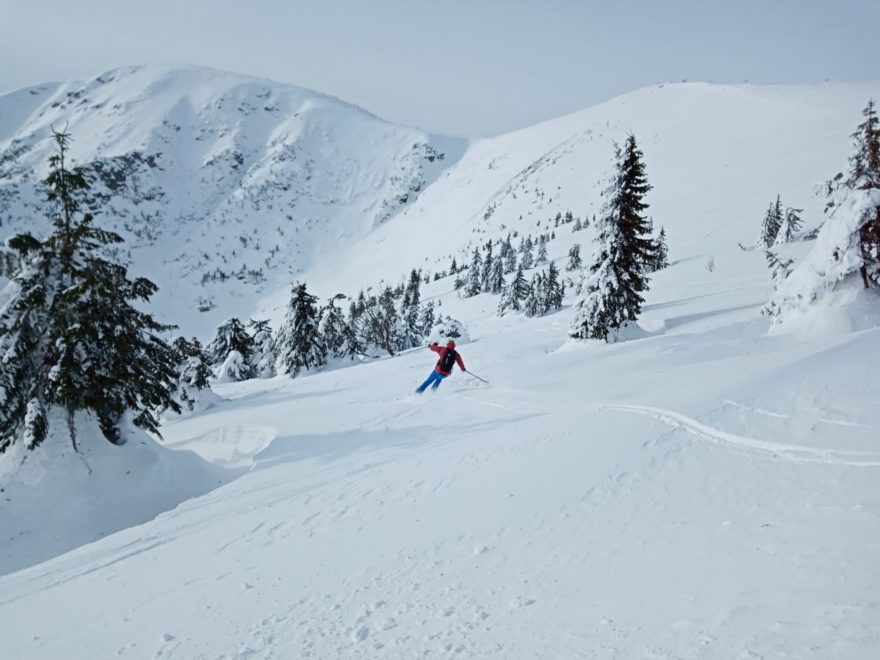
(708, 491)
(225, 185)
(717, 155)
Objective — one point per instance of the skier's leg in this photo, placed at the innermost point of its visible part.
(437, 381)
(430, 379)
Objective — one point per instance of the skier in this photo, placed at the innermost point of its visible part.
(448, 357)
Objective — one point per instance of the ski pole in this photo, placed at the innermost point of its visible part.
(476, 376)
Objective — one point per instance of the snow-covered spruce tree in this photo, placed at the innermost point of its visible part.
(474, 282)
(193, 371)
(427, 318)
(231, 351)
(299, 343)
(577, 226)
(542, 253)
(613, 296)
(453, 267)
(554, 291)
(847, 248)
(779, 269)
(495, 283)
(574, 258)
(70, 335)
(771, 224)
(381, 325)
(791, 225)
(352, 330)
(486, 270)
(514, 294)
(534, 303)
(263, 357)
(508, 257)
(332, 330)
(659, 257)
(526, 260)
(409, 311)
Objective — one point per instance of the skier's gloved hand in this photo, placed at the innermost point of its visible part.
(434, 343)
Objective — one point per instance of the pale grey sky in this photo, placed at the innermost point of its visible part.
(471, 67)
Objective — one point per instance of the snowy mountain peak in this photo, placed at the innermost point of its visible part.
(224, 185)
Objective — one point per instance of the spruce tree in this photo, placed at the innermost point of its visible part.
(554, 292)
(70, 335)
(232, 351)
(542, 253)
(771, 224)
(864, 176)
(486, 271)
(474, 282)
(659, 257)
(193, 370)
(534, 304)
(427, 318)
(495, 283)
(263, 357)
(332, 330)
(514, 294)
(574, 258)
(526, 261)
(299, 342)
(614, 294)
(509, 258)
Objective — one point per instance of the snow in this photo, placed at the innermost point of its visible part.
(702, 488)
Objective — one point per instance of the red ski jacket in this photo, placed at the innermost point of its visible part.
(441, 350)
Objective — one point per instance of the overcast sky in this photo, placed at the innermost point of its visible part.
(471, 67)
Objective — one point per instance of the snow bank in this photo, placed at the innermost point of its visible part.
(55, 499)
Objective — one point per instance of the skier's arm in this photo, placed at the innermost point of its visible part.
(435, 347)
(460, 362)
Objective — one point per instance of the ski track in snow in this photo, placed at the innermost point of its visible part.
(793, 453)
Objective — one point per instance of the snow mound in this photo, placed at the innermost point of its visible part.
(55, 499)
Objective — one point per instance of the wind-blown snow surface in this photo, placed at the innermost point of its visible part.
(708, 491)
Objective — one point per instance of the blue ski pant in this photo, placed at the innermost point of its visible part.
(433, 380)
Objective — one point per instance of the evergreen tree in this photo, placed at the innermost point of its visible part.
(614, 294)
(409, 312)
(193, 371)
(332, 328)
(299, 341)
(659, 257)
(569, 217)
(791, 225)
(514, 294)
(382, 326)
(577, 226)
(427, 318)
(771, 224)
(488, 266)
(70, 336)
(509, 257)
(474, 282)
(526, 261)
(453, 267)
(534, 304)
(542, 253)
(231, 352)
(849, 241)
(495, 283)
(263, 357)
(553, 292)
(574, 258)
